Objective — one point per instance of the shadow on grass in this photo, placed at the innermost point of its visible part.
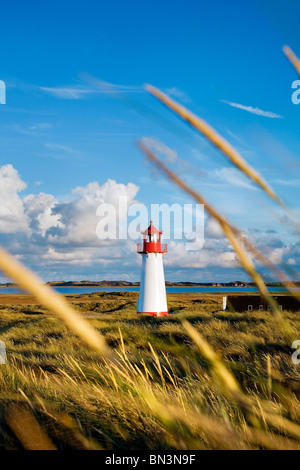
(119, 307)
(270, 348)
(28, 311)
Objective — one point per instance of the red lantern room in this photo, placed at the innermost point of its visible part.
(152, 241)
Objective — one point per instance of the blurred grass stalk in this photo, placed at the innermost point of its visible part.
(25, 426)
(54, 302)
(216, 139)
(232, 390)
(292, 58)
(233, 234)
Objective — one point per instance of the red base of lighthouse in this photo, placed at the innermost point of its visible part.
(155, 314)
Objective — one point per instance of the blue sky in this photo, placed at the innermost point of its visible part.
(76, 106)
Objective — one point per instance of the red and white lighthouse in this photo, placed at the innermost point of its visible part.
(153, 298)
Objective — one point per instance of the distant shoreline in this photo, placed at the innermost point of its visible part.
(110, 284)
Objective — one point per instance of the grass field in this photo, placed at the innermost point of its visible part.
(164, 392)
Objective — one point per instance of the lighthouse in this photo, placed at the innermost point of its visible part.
(153, 298)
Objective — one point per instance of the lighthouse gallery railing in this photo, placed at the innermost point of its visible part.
(152, 247)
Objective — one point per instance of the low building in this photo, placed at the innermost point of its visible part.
(243, 303)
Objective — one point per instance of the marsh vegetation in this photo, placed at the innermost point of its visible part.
(162, 391)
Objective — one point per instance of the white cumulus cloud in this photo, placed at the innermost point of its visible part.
(38, 208)
(44, 231)
(12, 215)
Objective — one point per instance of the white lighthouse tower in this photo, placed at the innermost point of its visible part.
(152, 299)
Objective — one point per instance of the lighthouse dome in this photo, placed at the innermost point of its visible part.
(152, 230)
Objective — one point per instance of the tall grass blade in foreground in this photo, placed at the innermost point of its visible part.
(30, 433)
(231, 389)
(54, 302)
(212, 135)
(233, 235)
(295, 61)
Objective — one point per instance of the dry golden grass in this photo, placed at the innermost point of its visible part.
(55, 302)
(200, 379)
(292, 58)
